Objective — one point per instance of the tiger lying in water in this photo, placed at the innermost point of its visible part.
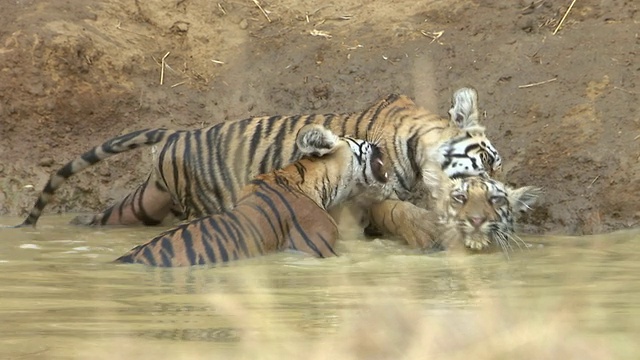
(200, 172)
(473, 213)
(283, 209)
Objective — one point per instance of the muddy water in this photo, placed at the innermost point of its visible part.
(60, 298)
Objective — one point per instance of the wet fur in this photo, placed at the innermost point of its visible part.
(284, 209)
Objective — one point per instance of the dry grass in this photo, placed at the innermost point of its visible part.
(390, 329)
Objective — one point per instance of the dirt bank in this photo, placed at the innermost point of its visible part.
(562, 109)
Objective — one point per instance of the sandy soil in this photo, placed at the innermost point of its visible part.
(76, 72)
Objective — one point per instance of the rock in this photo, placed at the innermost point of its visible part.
(179, 27)
(45, 162)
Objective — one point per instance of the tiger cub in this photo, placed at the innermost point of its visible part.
(476, 214)
(283, 209)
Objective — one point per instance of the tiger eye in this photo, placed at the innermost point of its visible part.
(459, 198)
(498, 200)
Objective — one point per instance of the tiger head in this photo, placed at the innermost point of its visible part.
(469, 152)
(478, 213)
(342, 166)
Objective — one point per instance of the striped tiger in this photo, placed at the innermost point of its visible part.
(283, 209)
(200, 172)
(474, 213)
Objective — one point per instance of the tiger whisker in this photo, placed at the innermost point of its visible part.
(519, 241)
(505, 238)
(508, 239)
(375, 135)
(500, 239)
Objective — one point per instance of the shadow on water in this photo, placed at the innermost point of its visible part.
(569, 297)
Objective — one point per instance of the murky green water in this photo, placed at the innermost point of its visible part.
(61, 298)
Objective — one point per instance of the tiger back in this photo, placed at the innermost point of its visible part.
(284, 209)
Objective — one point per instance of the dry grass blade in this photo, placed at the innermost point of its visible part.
(163, 65)
(119, 27)
(564, 17)
(321, 33)
(222, 10)
(536, 84)
(434, 35)
(261, 9)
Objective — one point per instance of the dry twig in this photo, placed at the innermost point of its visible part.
(435, 35)
(316, 32)
(261, 9)
(162, 70)
(624, 90)
(224, 12)
(564, 17)
(536, 84)
(531, 7)
(119, 27)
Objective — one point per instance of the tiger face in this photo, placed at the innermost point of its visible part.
(350, 166)
(469, 153)
(479, 213)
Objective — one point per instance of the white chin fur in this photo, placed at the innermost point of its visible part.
(477, 241)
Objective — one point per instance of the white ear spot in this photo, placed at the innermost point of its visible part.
(464, 109)
(314, 139)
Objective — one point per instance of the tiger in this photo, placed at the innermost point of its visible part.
(473, 214)
(200, 172)
(280, 210)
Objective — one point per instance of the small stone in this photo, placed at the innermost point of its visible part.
(244, 24)
(180, 27)
(45, 162)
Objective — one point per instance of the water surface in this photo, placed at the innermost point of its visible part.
(61, 298)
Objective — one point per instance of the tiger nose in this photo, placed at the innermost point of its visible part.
(477, 221)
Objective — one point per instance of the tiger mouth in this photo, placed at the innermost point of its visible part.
(477, 240)
(477, 244)
(377, 166)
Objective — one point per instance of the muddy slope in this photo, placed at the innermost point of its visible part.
(562, 108)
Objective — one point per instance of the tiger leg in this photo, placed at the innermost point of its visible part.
(149, 204)
(316, 233)
(417, 226)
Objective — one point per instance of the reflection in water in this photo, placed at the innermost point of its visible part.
(567, 297)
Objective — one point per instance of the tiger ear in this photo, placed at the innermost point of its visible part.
(464, 108)
(522, 199)
(314, 139)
